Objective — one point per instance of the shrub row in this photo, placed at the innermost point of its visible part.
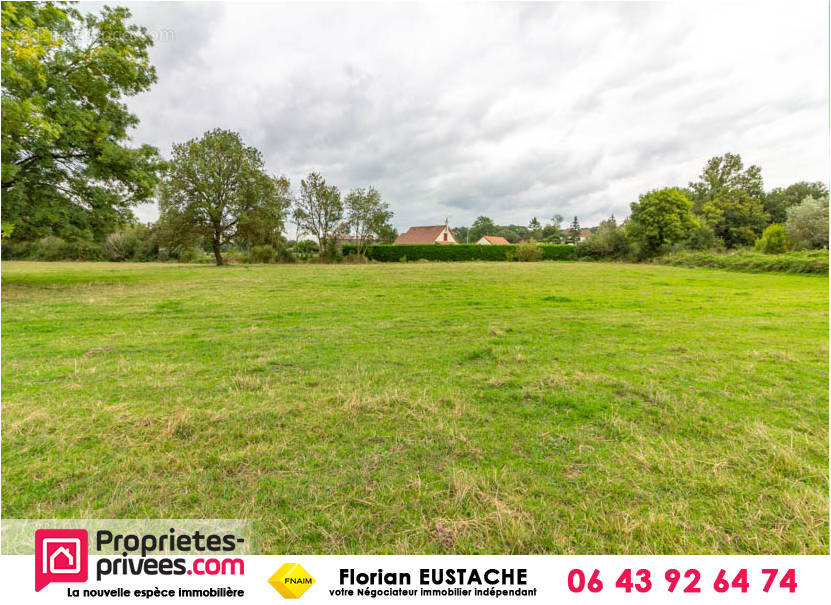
(53, 248)
(458, 252)
(808, 261)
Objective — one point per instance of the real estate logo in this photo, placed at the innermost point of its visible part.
(291, 580)
(60, 556)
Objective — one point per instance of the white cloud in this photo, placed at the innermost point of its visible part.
(506, 110)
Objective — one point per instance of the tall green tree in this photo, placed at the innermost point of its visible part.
(462, 234)
(264, 223)
(659, 219)
(481, 226)
(318, 211)
(67, 168)
(723, 175)
(509, 234)
(778, 200)
(367, 216)
(553, 232)
(535, 227)
(730, 198)
(215, 185)
(387, 234)
(574, 231)
(736, 217)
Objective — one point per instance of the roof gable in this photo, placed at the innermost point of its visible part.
(420, 235)
(497, 240)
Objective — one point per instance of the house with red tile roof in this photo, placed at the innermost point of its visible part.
(493, 240)
(438, 234)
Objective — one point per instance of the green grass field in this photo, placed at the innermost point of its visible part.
(424, 408)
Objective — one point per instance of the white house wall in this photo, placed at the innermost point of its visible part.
(450, 238)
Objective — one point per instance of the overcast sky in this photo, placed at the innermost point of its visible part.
(510, 110)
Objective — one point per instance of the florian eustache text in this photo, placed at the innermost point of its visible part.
(435, 582)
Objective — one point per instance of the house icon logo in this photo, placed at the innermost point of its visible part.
(60, 556)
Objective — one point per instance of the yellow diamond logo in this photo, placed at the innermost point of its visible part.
(291, 580)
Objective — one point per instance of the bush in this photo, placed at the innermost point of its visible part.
(702, 238)
(132, 243)
(84, 250)
(809, 261)
(458, 252)
(15, 250)
(528, 252)
(285, 255)
(49, 248)
(807, 224)
(774, 240)
(233, 257)
(53, 248)
(354, 259)
(192, 255)
(116, 247)
(262, 254)
(608, 241)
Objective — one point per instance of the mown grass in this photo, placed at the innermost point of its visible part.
(424, 408)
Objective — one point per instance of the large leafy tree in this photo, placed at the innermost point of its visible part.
(462, 234)
(67, 168)
(264, 223)
(483, 225)
(778, 200)
(736, 217)
(509, 234)
(318, 211)
(215, 186)
(367, 215)
(726, 174)
(659, 219)
(730, 198)
(807, 224)
(553, 233)
(387, 234)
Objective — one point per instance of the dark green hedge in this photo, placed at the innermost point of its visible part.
(458, 252)
(806, 261)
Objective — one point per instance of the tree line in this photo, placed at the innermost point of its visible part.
(726, 208)
(552, 232)
(216, 192)
(70, 178)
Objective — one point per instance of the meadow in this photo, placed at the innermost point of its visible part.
(553, 407)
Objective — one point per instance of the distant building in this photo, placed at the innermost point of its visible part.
(493, 240)
(354, 240)
(438, 234)
(584, 233)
